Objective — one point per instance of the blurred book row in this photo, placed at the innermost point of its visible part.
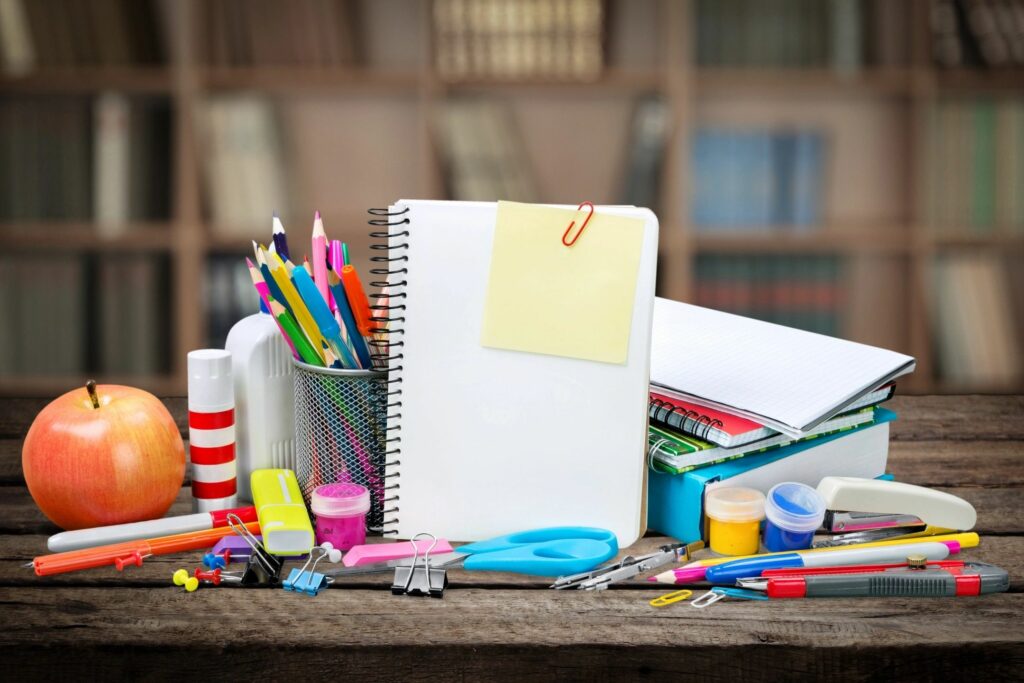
(750, 179)
(103, 159)
(842, 34)
(803, 291)
(510, 39)
(977, 330)
(82, 313)
(111, 312)
(229, 295)
(312, 33)
(976, 166)
(977, 33)
(65, 33)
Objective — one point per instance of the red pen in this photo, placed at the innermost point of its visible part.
(859, 569)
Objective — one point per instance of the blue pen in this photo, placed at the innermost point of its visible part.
(728, 572)
(322, 315)
(338, 290)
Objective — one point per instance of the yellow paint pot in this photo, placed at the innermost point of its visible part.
(735, 515)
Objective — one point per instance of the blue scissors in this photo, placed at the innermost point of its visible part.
(552, 551)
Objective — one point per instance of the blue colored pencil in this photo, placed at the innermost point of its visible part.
(321, 313)
(358, 343)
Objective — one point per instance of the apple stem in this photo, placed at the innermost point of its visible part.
(90, 386)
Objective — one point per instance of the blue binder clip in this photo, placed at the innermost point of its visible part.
(307, 580)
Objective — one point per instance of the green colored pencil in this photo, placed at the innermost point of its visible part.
(291, 328)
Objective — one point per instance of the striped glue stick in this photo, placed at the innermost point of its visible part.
(211, 428)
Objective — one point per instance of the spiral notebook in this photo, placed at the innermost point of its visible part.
(485, 441)
(728, 430)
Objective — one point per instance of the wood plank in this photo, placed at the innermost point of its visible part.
(500, 635)
(16, 414)
(957, 418)
(958, 463)
(999, 510)
(926, 463)
(15, 551)
(921, 418)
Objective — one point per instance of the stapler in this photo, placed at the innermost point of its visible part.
(865, 510)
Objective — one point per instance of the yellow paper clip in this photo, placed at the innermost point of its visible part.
(669, 598)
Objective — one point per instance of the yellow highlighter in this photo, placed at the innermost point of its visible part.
(284, 521)
(295, 303)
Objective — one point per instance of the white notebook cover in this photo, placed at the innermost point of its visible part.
(496, 441)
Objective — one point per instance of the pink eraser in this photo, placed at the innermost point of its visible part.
(375, 553)
(954, 546)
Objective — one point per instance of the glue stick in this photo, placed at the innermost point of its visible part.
(211, 428)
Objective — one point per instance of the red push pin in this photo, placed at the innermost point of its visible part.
(215, 576)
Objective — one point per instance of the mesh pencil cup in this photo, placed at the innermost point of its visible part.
(340, 432)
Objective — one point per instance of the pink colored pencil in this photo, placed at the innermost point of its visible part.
(264, 292)
(320, 257)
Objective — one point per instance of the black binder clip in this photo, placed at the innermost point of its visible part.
(420, 578)
(262, 569)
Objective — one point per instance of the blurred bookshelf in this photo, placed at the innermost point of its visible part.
(847, 166)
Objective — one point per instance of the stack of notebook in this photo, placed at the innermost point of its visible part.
(750, 403)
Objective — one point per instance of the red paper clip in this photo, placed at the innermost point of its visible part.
(582, 227)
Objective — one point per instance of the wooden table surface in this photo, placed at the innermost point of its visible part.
(502, 626)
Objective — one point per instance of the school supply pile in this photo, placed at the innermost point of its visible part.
(760, 436)
(739, 402)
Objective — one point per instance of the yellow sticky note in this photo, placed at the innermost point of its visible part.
(544, 297)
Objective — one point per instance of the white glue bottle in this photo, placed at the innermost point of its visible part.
(211, 430)
(264, 397)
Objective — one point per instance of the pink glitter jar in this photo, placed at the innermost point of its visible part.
(340, 511)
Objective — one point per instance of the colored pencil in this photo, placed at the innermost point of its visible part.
(320, 257)
(295, 305)
(279, 238)
(291, 331)
(336, 260)
(691, 573)
(345, 261)
(264, 292)
(358, 343)
(329, 328)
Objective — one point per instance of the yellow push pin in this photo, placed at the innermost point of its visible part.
(181, 578)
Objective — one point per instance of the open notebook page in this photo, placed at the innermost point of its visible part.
(782, 377)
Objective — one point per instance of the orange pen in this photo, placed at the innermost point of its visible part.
(130, 553)
(357, 299)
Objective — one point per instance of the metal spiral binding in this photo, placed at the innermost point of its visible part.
(700, 425)
(391, 270)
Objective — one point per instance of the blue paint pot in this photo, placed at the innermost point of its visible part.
(793, 512)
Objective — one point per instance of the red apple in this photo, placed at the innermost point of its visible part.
(103, 455)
